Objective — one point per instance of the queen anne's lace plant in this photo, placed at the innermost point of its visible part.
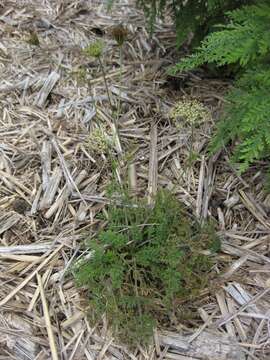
(189, 113)
(98, 141)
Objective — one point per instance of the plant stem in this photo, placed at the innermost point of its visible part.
(121, 62)
(191, 143)
(192, 137)
(120, 81)
(105, 82)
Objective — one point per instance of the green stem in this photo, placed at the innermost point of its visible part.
(191, 142)
(120, 82)
(121, 62)
(136, 286)
(105, 81)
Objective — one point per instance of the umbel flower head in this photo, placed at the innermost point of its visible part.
(95, 49)
(119, 33)
(99, 141)
(189, 112)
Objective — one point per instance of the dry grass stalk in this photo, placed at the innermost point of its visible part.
(52, 343)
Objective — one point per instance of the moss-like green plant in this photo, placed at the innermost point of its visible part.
(143, 263)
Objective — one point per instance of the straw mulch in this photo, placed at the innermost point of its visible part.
(54, 167)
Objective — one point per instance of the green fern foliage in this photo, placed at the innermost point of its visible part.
(247, 119)
(245, 41)
(142, 263)
(196, 16)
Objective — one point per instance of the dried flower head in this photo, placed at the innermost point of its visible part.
(189, 112)
(119, 34)
(95, 49)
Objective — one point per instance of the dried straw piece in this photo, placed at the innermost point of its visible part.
(46, 89)
(47, 319)
(30, 277)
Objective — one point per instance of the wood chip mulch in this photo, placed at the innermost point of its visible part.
(54, 168)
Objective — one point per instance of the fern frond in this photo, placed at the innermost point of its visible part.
(244, 40)
(247, 118)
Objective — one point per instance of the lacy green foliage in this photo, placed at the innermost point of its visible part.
(200, 16)
(144, 261)
(247, 119)
(244, 41)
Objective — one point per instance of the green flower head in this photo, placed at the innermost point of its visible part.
(98, 141)
(190, 112)
(94, 49)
